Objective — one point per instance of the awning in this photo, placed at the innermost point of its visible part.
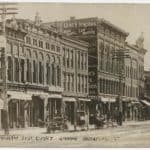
(69, 99)
(146, 102)
(41, 95)
(57, 96)
(1, 104)
(19, 95)
(84, 99)
(106, 99)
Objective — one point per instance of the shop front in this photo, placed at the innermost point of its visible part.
(1, 111)
(82, 116)
(19, 109)
(70, 107)
(108, 108)
(146, 109)
(54, 107)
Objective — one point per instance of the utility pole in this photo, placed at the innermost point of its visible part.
(4, 12)
(120, 56)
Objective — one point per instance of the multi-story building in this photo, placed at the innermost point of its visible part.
(75, 79)
(38, 57)
(34, 72)
(103, 38)
(147, 84)
(134, 77)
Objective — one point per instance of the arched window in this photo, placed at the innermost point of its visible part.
(16, 69)
(10, 67)
(35, 65)
(47, 69)
(53, 70)
(28, 73)
(41, 69)
(58, 71)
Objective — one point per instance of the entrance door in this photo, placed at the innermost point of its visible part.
(38, 111)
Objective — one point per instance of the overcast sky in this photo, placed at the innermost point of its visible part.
(134, 18)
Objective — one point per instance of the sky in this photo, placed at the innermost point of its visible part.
(133, 18)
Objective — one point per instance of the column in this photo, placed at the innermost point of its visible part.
(45, 106)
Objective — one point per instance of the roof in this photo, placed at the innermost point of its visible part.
(102, 20)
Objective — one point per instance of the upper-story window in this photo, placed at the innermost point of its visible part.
(53, 47)
(47, 45)
(71, 59)
(64, 59)
(28, 40)
(58, 49)
(67, 57)
(10, 68)
(82, 65)
(35, 43)
(41, 44)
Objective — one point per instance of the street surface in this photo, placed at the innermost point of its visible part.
(131, 134)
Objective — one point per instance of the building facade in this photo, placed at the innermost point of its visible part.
(104, 40)
(36, 66)
(75, 80)
(134, 79)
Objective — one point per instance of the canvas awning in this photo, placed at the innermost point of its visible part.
(84, 99)
(41, 95)
(69, 99)
(53, 96)
(19, 95)
(146, 102)
(106, 99)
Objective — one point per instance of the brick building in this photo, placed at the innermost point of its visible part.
(104, 39)
(35, 72)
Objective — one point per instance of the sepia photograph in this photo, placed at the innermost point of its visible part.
(74, 75)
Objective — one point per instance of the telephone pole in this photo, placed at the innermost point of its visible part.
(4, 12)
(120, 56)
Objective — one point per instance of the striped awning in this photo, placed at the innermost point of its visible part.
(19, 95)
(69, 99)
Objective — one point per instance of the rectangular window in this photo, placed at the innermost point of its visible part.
(16, 71)
(41, 44)
(53, 47)
(64, 58)
(22, 70)
(28, 40)
(9, 68)
(47, 46)
(35, 42)
(58, 49)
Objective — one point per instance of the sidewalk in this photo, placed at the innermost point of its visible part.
(37, 130)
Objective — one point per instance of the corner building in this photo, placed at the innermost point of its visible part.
(42, 76)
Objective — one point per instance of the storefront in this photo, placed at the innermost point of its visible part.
(108, 106)
(19, 109)
(69, 103)
(54, 107)
(146, 109)
(1, 109)
(83, 113)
